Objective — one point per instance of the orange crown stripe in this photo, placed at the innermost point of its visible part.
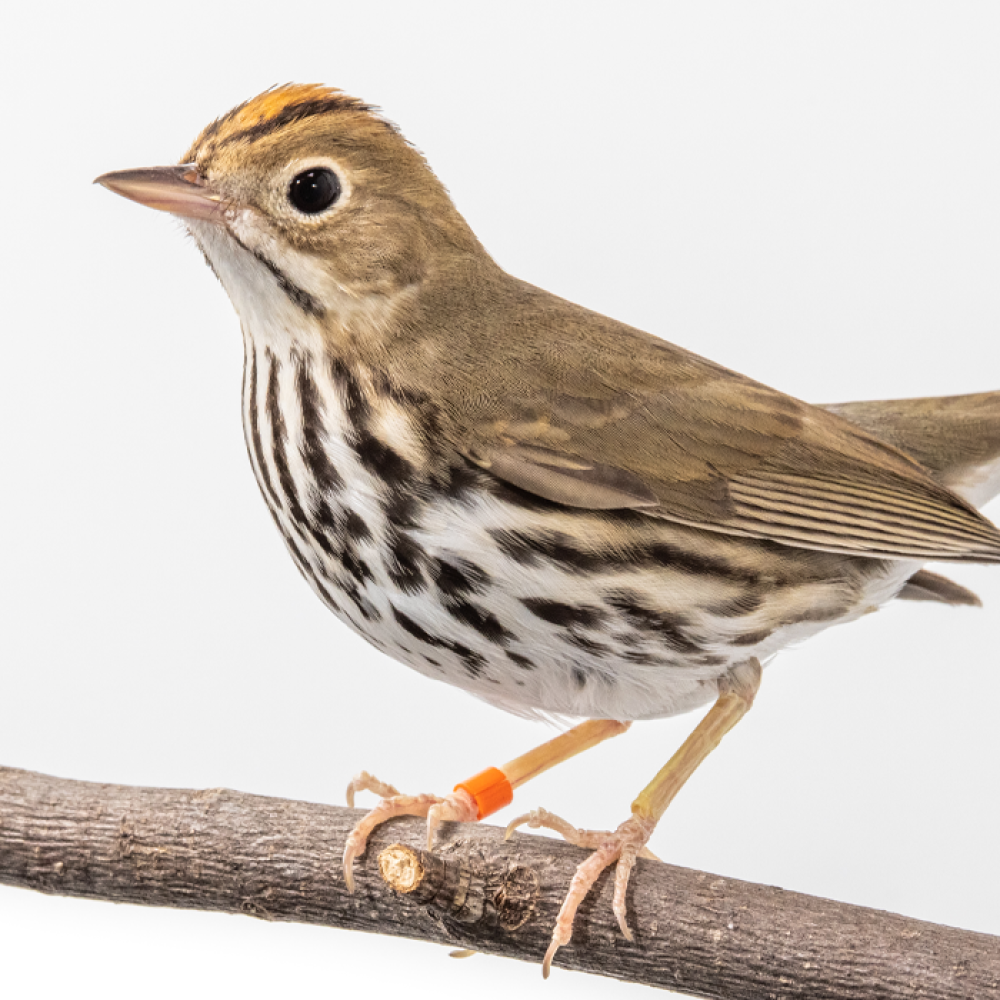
(271, 103)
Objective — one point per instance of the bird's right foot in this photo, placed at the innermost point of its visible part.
(458, 807)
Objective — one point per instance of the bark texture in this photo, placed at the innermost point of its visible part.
(279, 860)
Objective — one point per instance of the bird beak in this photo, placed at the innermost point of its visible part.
(179, 190)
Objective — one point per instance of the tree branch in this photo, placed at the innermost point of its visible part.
(280, 860)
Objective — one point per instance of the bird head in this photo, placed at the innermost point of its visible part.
(306, 201)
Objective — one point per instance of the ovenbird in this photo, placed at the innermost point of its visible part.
(507, 492)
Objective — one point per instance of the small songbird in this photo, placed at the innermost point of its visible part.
(510, 493)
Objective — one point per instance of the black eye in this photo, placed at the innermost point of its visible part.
(314, 190)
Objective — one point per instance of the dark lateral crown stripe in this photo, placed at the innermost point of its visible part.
(294, 113)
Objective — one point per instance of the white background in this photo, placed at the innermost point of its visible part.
(805, 192)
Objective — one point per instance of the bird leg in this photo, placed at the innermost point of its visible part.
(736, 694)
(475, 798)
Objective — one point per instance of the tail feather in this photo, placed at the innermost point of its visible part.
(927, 586)
(957, 438)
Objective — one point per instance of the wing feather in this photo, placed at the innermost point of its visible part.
(588, 412)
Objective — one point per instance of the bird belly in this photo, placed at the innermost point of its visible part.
(600, 615)
(533, 607)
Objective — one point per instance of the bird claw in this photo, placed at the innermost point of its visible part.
(458, 807)
(542, 819)
(365, 782)
(623, 845)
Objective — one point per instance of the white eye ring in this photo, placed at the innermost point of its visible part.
(320, 167)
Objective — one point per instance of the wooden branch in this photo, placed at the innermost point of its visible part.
(280, 860)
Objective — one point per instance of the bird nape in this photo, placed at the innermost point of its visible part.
(515, 495)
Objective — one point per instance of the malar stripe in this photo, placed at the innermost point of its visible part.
(306, 302)
(296, 294)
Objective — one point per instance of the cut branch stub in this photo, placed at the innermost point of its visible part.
(491, 897)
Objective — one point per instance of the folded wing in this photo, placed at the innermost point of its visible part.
(598, 415)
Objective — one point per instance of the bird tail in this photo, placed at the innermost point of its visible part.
(957, 438)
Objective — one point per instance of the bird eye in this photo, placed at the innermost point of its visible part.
(314, 191)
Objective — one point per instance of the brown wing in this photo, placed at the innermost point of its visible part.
(956, 437)
(590, 413)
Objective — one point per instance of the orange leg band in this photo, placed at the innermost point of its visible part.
(489, 789)
(493, 788)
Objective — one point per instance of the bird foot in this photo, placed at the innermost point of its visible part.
(623, 845)
(458, 807)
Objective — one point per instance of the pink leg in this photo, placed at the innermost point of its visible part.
(736, 694)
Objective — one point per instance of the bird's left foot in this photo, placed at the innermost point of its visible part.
(623, 845)
(457, 806)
